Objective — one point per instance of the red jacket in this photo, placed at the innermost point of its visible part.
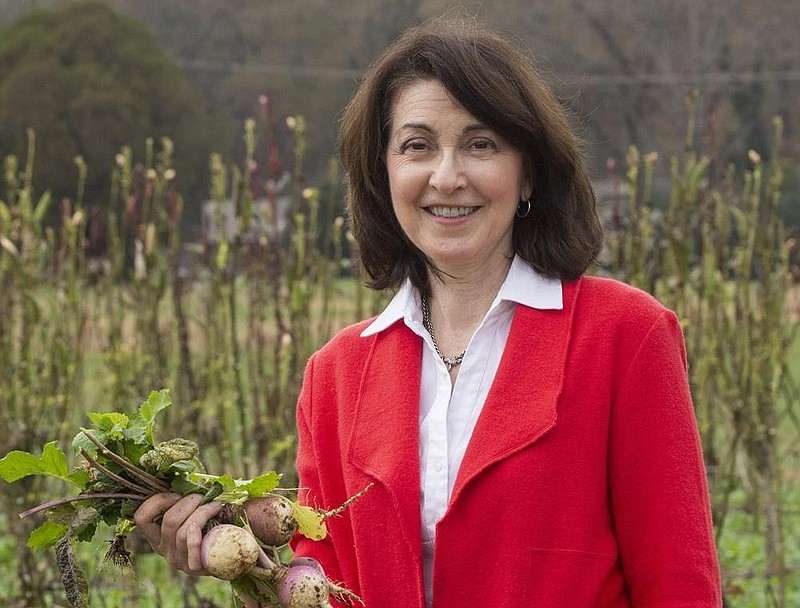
(583, 485)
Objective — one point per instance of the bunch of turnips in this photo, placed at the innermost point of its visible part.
(123, 466)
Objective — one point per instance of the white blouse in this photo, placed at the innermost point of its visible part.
(448, 412)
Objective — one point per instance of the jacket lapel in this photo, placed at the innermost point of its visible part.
(521, 405)
(385, 439)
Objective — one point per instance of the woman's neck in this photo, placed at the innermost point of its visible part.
(458, 303)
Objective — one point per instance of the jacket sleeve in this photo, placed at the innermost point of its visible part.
(658, 485)
(310, 493)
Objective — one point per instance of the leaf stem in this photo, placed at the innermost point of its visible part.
(264, 560)
(146, 477)
(265, 575)
(120, 480)
(98, 496)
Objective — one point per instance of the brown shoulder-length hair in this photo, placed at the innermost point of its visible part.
(495, 82)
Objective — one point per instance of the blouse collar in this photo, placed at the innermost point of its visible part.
(522, 285)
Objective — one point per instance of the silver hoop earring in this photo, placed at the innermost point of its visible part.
(524, 211)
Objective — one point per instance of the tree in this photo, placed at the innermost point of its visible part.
(89, 81)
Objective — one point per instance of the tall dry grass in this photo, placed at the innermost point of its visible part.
(81, 332)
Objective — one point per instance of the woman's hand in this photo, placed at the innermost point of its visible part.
(178, 534)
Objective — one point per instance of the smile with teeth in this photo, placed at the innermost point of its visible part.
(451, 211)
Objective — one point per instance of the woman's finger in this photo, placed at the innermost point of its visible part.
(189, 537)
(170, 545)
(148, 515)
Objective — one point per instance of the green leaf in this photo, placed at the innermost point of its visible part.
(140, 428)
(134, 451)
(53, 463)
(85, 531)
(81, 441)
(84, 524)
(184, 486)
(236, 497)
(239, 490)
(62, 514)
(248, 586)
(80, 478)
(47, 535)
(226, 481)
(127, 509)
(184, 466)
(125, 526)
(310, 521)
(112, 424)
(261, 485)
(213, 492)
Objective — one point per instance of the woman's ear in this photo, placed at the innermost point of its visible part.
(527, 190)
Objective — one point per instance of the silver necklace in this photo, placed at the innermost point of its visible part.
(450, 362)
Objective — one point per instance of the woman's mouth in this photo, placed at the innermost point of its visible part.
(450, 212)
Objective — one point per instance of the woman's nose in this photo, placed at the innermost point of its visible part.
(447, 174)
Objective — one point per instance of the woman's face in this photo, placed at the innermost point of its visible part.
(455, 183)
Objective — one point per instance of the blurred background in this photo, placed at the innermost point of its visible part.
(171, 216)
(194, 70)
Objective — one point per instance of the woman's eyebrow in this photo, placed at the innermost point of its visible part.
(475, 126)
(421, 126)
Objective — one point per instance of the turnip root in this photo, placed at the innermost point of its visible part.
(228, 552)
(304, 586)
(271, 519)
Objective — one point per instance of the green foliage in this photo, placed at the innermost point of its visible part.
(717, 254)
(232, 343)
(88, 81)
(126, 468)
(18, 464)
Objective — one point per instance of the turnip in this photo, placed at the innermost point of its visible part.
(271, 519)
(306, 561)
(124, 467)
(228, 552)
(304, 586)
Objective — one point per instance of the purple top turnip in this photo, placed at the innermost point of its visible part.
(304, 586)
(271, 519)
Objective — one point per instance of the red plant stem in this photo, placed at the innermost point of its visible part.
(120, 480)
(264, 561)
(98, 496)
(151, 480)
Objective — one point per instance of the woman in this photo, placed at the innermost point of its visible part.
(528, 430)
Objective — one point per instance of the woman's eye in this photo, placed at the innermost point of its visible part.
(482, 144)
(414, 145)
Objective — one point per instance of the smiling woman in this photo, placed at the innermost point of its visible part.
(454, 182)
(494, 84)
(498, 373)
